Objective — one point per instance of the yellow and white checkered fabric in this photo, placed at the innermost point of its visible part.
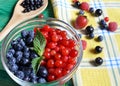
(108, 74)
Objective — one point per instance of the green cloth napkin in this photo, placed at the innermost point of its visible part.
(6, 10)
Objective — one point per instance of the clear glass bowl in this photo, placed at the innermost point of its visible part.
(29, 25)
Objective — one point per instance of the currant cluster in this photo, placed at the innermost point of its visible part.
(60, 52)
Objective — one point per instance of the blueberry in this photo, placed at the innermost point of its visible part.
(82, 12)
(12, 51)
(33, 75)
(22, 43)
(91, 10)
(27, 78)
(31, 7)
(26, 54)
(98, 49)
(12, 60)
(34, 80)
(42, 71)
(77, 4)
(26, 49)
(100, 38)
(32, 2)
(18, 47)
(42, 80)
(102, 22)
(98, 61)
(13, 67)
(9, 55)
(24, 61)
(29, 40)
(18, 55)
(33, 55)
(31, 33)
(98, 12)
(26, 70)
(24, 33)
(89, 29)
(27, 1)
(13, 43)
(91, 35)
(20, 74)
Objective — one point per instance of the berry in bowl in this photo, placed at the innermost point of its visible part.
(44, 52)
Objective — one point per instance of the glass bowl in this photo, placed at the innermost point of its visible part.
(29, 25)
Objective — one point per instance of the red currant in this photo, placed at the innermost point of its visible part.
(55, 38)
(53, 52)
(57, 56)
(50, 63)
(41, 16)
(106, 19)
(58, 63)
(51, 77)
(73, 53)
(65, 52)
(69, 66)
(51, 45)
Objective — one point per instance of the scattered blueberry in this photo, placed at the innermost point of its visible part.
(42, 80)
(77, 4)
(82, 12)
(20, 74)
(98, 49)
(91, 35)
(91, 10)
(98, 12)
(102, 22)
(98, 61)
(89, 29)
(100, 38)
(42, 71)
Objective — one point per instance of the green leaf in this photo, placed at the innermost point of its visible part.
(36, 63)
(39, 43)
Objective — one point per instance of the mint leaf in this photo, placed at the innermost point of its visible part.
(36, 63)
(39, 43)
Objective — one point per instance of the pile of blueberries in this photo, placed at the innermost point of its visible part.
(30, 5)
(19, 57)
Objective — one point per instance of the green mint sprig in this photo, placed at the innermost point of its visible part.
(39, 44)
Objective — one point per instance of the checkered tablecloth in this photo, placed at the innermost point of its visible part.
(108, 74)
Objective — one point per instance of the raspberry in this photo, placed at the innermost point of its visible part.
(84, 44)
(84, 6)
(112, 26)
